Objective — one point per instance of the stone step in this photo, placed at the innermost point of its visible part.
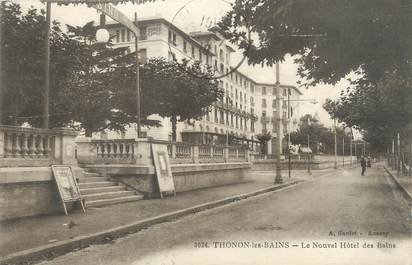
(91, 174)
(108, 195)
(97, 184)
(101, 190)
(93, 179)
(96, 203)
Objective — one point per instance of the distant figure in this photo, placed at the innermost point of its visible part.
(363, 165)
(369, 161)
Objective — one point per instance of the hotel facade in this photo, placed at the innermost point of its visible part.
(248, 107)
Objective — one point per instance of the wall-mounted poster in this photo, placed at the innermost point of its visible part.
(162, 169)
(67, 185)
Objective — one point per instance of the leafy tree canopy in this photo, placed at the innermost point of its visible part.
(176, 90)
(379, 110)
(331, 38)
(321, 138)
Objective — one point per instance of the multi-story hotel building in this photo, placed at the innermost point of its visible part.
(248, 107)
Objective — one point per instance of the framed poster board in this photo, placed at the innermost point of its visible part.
(67, 185)
(162, 169)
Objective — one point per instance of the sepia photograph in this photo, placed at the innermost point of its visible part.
(206, 132)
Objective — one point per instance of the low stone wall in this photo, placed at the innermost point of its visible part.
(270, 165)
(186, 176)
(28, 191)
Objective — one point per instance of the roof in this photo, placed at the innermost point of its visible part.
(198, 34)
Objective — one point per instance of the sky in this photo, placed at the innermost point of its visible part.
(196, 15)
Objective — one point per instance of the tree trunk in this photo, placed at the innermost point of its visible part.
(173, 119)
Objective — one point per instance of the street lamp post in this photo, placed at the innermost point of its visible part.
(115, 14)
(351, 158)
(278, 178)
(308, 155)
(343, 151)
(46, 92)
(288, 127)
(336, 146)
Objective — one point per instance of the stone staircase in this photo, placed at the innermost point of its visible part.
(100, 190)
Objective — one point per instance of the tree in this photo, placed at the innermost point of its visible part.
(179, 91)
(89, 90)
(264, 138)
(330, 38)
(321, 139)
(379, 110)
(80, 95)
(22, 64)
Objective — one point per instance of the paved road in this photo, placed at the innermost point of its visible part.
(330, 220)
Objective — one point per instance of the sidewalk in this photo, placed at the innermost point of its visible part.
(405, 182)
(32, 232)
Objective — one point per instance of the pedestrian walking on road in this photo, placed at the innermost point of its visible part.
(363, 165)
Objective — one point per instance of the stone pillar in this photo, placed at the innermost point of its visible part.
(86, 152)
(226, 154)
(2, 143)
(64, 146)
(142, 151)
(195, 154)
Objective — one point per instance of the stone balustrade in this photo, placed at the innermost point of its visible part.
(137, 151)
(21, 146)
(111, 151)
(207, 153)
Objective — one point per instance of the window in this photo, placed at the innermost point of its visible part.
(231, 120)
(252, 125)
(237, 122)
(274, 91)
(200, 55)
(193, 51)
(184, 46)
(222, 117)
(123, 35)
(264, 113)
(128, 35)
(284, 92)
(274, 103)
(263, 90)
(216, 116)
(241, 96)
(236, 94)
(252, 111)
(227, 118)
(252, 102)
(252, 88)
(221, 55)
(117, 35)
(263, 103)
(172, 37)
(241, 123)
(143, 33)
